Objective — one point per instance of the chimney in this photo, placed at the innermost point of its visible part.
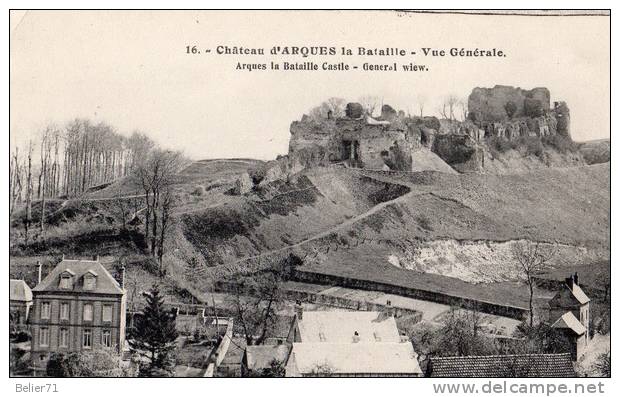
(299, 310)
(576, 278)
(569, 282)
(40, 269)
(356, 337)
(389, 308)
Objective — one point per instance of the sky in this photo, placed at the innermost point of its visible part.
(131, 70)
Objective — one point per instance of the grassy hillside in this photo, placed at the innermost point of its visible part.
(350, 222)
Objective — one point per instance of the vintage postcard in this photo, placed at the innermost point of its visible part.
(207, 194)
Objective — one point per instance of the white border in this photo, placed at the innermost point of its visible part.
(259, 387)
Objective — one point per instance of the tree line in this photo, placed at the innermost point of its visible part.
(66, 162)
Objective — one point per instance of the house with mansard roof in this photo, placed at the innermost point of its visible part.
(79, 306)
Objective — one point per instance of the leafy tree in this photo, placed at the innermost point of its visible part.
(58, 366)
(540, 339)
(603, 364)
(460, 334)
(154, 337)
(275, 370)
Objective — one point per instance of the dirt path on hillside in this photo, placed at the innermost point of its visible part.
(334, 229)
(414, 191)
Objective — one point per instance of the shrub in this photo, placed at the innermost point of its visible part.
(499, 145)
(532, 145)
(198, 191)
(257, 173)
(424, 223)
(561, 143)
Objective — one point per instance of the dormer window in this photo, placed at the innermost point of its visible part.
(66, 279)
(90, 281)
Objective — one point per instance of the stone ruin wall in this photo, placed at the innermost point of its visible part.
(388, 141)
(510, 113)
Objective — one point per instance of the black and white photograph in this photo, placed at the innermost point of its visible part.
(310, 194)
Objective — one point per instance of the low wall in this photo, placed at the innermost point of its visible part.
(334, 301)
(485, 307)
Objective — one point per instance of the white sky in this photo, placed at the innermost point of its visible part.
(130, 70)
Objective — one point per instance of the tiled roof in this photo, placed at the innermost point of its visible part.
(507, 366)
(569, 321)
(340, 326)
(260, 357)
(20, 291)
(106, 284)
(356, 358)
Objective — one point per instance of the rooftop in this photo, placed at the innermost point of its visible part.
(579, 294)
(340, 327)
(355, 358)
(506, 366)
(569, 321)
(106, 284)
(260, 357)
(20, 291)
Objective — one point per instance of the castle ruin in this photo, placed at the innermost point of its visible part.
(388, 141)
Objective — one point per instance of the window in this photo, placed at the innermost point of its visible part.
(63, 340)
(44, 336)
(87, 338)
(88, 312)
(107, 313)
(64, 311)
(66, 281)
(45, 310)
(89, 282)
(106, 338)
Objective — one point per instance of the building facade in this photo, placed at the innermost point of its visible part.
(78, 307)
(569, 312)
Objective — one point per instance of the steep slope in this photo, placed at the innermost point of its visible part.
(425, 160)
(282, 213)
(458, 225)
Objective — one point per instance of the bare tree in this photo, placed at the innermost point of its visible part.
(166, 209)
(122, 209)
(533, 259)
(448, 107)
(15, 181)
(255, 301)
(155, 174)
(462, 104)
(29, 189)
(370, 103)
(332, 106)
(421, 102)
